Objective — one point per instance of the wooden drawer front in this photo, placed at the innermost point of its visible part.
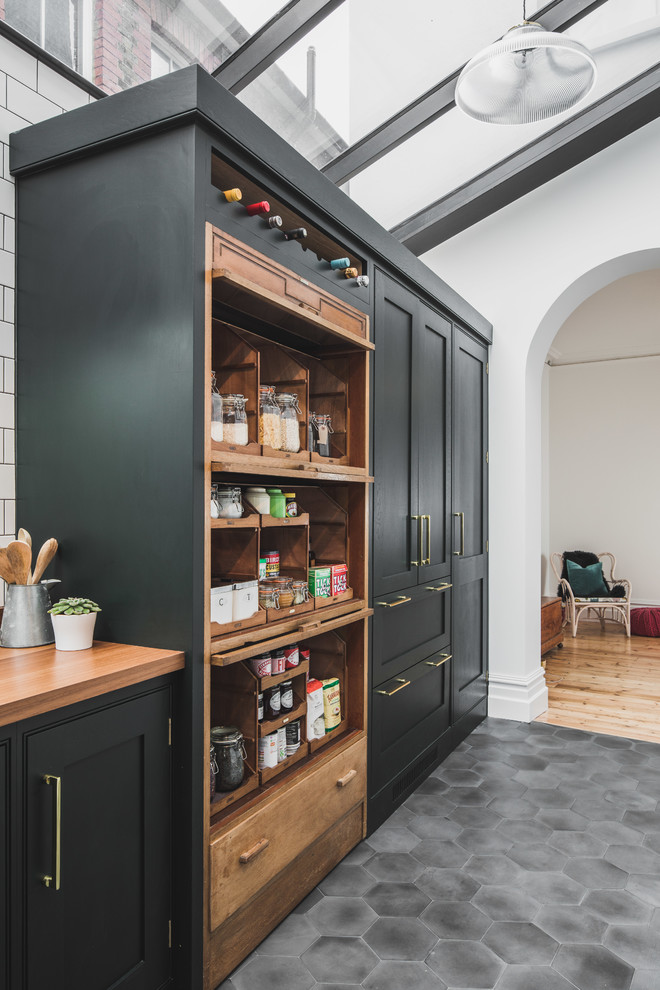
(551, 624)
(240, 259)
(272, 836)
(407, 632)
(408, 713)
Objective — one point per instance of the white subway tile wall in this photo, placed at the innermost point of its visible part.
(29, 92)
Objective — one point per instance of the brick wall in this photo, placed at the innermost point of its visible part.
(29, 92)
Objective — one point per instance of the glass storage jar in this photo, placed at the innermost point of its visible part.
(230, 756)
(270, 419)
(288, 402)
(323, 431)
(268, 595)
(216, 415)
(214, 773)
(215, 507)
(234, 419)
(300, 592)
(230, 503)
(285, 588)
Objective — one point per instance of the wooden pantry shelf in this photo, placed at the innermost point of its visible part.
(251, 521)
(238, 463)
(231, 649)
(268, 522)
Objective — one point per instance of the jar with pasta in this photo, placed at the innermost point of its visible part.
(288, 403)
(234, 420)
(270, 428)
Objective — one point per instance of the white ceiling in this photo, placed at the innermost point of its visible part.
(620, 321)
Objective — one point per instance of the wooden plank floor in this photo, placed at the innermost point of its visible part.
(601, 681)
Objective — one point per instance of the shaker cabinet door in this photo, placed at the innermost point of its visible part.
(396, 547)
(5, 860)
(97, 873)
(469, 520)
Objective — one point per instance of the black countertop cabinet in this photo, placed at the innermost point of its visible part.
(112, 203)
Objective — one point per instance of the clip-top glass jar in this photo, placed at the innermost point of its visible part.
(234, 419)
(323, 431)
(216, 416)
(270, 418)
(288, 402)
(300, 592)
(269, 596)
(230, 756)
(285, 588)
(230, 503)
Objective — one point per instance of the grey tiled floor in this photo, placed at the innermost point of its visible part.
(529, 860)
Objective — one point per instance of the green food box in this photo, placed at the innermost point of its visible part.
(320, 581)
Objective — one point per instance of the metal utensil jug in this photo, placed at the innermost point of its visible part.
(25, 621)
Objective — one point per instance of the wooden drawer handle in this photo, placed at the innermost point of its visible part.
(347, 778)
(254, 851)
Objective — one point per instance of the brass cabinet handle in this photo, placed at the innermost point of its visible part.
(252, 853)
(427, 559)
(54, 880)
(420, 524)
(461, 552)
(404, 683)
(402, 601)
(445, 656)
(347, 778)
(439, 587)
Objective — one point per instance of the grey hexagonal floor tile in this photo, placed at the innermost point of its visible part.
(438, 852)
(553, 888)
(433, 805)
(521, 942)
(274, 972)
(393, 840)
(532, 978)
(634, 859)
(466, 964)
(429, 827)
(618, 907)
(456, 919)
(291, 937)
(483, 840)
(595, 873)
(348, 881)
(337, 960)
(506, 904)
(341, 916)
(537, 856)
(636, 944)
(559, 819)
(393, 866)
(497, 787)
(400, 938)
(453, 885)
(524, 831)
(395, 975)
(461, 778)
(646, 888)
(470, 796)
(493, 869)
(577, 843)
(616, 833)
(397, 900)
(569, 924)
(476, 817)
(593, 967)
(359, 855)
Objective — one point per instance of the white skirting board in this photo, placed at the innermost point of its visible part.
(519, 698)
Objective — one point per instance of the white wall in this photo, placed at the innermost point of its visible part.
(605, 477)
(30, 91)
(527, 268)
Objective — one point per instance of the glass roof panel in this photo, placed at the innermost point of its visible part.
(625, 40)
(370, 60)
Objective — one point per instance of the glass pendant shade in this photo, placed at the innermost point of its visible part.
(529, 74)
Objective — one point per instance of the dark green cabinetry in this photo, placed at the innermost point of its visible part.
(5, 858)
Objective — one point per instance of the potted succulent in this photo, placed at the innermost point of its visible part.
(73, 623)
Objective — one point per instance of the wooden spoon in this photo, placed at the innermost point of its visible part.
(46, 554)
(6, 570)
(24, 536)
(20, 558)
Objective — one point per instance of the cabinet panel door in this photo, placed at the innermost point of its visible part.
(5, 860)
(469, 498)
(395, 543)
(431, 420)
(408, 628)
(107, 925)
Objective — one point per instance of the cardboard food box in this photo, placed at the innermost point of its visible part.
(320, 581)
(222, 604)
(339, 578)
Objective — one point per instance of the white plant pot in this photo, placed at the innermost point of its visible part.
(74, 632)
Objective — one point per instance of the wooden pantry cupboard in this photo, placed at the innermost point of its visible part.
(159, 282)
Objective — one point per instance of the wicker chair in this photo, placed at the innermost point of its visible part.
(617, 609)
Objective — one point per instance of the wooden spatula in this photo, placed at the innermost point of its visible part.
(24, 536)
(6, 570)
(20, 558)
(46, 554)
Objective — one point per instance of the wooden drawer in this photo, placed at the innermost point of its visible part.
(408, 713)
(269, 276)
(408, 627)
(552, 633)
(251, 853)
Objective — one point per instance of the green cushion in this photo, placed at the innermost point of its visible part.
(587, 581)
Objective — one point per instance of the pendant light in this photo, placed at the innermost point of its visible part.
(530, 74)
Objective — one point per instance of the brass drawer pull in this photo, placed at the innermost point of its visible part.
(254, 851)
(54, 880)
(446, 657)
(439, 587)
(402, 601)
(347, 778)
(404, 683)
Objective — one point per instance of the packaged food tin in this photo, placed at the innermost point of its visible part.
(262, 568)
(222, 599)
(315, 720)
(272, 559)
(291, 506)
(292, 737)
(291, 656)
(268, 751)
(260, 706)
(278, 662)
(331, 703)
(261, 666)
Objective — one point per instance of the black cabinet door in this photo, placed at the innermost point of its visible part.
(5, 860)
(395, 547)
(97, 799)
(469, 501)
(431, 419)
